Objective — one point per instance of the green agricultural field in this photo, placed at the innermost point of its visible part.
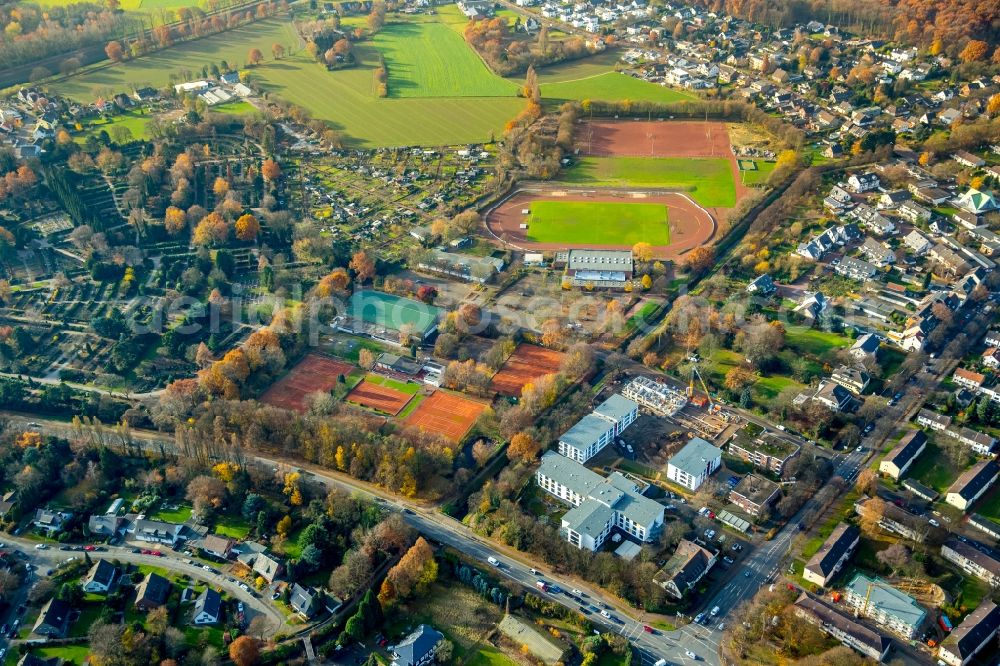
(758, 176)
(709, 181)
(427, 59)
(598, 223)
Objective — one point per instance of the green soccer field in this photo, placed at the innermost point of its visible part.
(598, 223)
(431, 60)
(709, 181)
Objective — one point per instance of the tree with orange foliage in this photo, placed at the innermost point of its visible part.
(244, 651)
(174, 220)
(255, 57)
(247, 227)
(363, 266)
(211, 229)
(523, 447)
(263, 349)
(220, 187)
(699, 259)
(993, 106)
(975, 50)
(114, 51)
(334, 283)
(642, 251)
(270, 170)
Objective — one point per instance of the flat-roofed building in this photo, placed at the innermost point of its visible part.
(598, 429)
(754, 493)
(972, 484)
(601, 269)
(899, 459)
(694, 463)
(832, 555)
(845, 629)
(599, 504)
(657, 397)
(887, 606)
(976, 632)
(766, 451)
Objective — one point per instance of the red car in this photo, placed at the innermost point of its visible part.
(90, 548)
(156, 553)
(147, 552)
(711, 514)
(648, 629)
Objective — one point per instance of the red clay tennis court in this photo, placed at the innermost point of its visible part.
(313, 373)
(380, 398)
(527, 363)
(446, 414)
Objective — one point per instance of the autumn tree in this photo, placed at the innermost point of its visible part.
(270, 170)
(867, 482)
(244, 651)
(896, 557)
(211, 229)
(255, 57)
(247, 227)
(205, 493)
(114, 51)
(699, 259)
(174, 220)
(642, 251)
(975, 50)
(993, 106)
(366, 358)
(523, 447)
(363, 266)
(278, 51)
(220, 187)
(871, 516)
(739, 378)
(414, 572)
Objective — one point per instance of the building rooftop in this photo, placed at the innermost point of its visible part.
(839, 542)
(755, 488)
(978, 626)
(887, 599)
(620, 260)
(907, 448)
(585, 432)
(975, 478)
(979, 553)
(694, 457)
(831, 616)
(616, 407)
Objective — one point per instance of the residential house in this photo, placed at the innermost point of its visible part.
(418, 648)
(31, 659)
(53, 619)
(933, 420)
(966, 158)
(972, 484)
(152, 592)
(976, 202)
(600, 504)
(970, 379)
(986, 525)
(852, 379)
(101, 578)
(991, 357)
(856, 269)
(979, 442)
(866, 346)
(897, 520)
(899, 459)
(832, 555)
(920, 490)
(215, 545)
(966, 219)
(976, 632)
(304, 600)
(974, 558)
(688, 565)
(949, 260)
(694, 463)
(834, 396)
(108, 526)
(754, 494)
(885, 605)
(268, 567)
(893, 199)
(913, 212)
(50, 522)
(877, 253)
(812, 306)
(593, 432)
(207, 608)
(762, 285)
(844, 628)
(863, 182)
(156, 531)
(766, 451)
(917, 243)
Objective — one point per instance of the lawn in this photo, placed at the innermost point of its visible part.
(88, 615)
(234, 108)
(489, 656)
(74, 653)
(133, 121)
(411, 406)
(814, 342)
(428, 59)
(610, 86)
(177, 515)
(933, 469)
(709, 181)
(408, 388)
(234, 527)
(598, 223)
(758, 176)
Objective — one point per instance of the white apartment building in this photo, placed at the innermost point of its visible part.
(598, 429)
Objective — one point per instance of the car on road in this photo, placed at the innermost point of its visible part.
(868, 428)
(728, 560)
(408, 511)
(746, 573)
(41, 546)
(934, 522)
(690, 655)
(90, 549)
(715, 611)
(648, 629)
(206, 567)
(493, 561)
(584, 610)
(135, 551)
(239, 607)
(699, 617)
(606, 614)
(534, 572)
(578, 593)
(555, 589)
(722, 626)
(34, 424)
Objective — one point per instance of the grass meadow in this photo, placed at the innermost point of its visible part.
(709, 181)
(598, 223)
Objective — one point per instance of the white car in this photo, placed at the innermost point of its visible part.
(934, 522)
(722, 626)
(577, 592)
(691, 655)
(606, 614)
(41, 546)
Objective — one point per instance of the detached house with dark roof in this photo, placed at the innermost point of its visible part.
(688, 565)
(899, 459)
(101, 578)
(152, 592)
(207, 608)
(977, 631)
(832, 555)
(418, 648)
(972, 484)
(53, 619)
(304, 600)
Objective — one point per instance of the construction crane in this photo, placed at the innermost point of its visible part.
(693, 358)
(920, 589)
